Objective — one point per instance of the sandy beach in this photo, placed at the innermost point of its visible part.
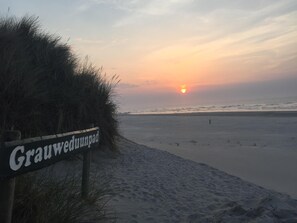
(155, 186)
(237, 172)
(260, 147)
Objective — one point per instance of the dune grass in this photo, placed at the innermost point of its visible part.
(44, 90)
(47, 200)
(41, 80)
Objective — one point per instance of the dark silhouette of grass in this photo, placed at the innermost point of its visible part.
(47, 200)
(44, 89)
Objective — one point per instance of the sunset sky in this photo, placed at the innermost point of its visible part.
(219, 49)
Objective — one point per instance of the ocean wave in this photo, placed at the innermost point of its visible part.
(277, 106)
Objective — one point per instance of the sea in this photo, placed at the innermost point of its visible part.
(272, 104)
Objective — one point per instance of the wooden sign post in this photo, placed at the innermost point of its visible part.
(7, 185)
(21, 156)
(86, 172)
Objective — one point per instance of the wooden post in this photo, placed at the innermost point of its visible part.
(7, 186)
(86, 172)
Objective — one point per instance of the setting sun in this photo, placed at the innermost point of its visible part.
(183, 89)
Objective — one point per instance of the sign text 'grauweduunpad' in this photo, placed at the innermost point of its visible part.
(23, 156)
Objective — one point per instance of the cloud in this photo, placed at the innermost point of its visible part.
(256, 42)
(150, 7)
(150, 82)
(137, 11)
(83, 7)
(127, 85)
(278, 88)
(89, 41)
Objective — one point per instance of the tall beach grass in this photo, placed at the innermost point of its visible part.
(47, 199)
(45, 89)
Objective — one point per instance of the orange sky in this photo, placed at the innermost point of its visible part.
(157, 46)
